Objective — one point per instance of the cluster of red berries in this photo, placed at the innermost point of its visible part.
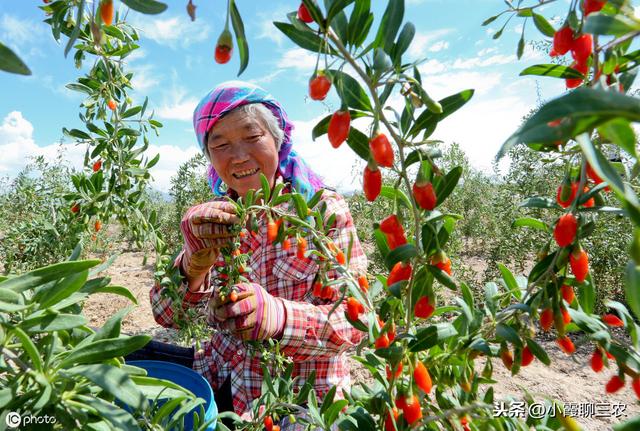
(580, 44)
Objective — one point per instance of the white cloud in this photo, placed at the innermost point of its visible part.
(177, 105)
(299, 59)
(482, 61)
(425, 41)
(145, 77)
(24, 36)
(266, 29)
(171, 157)
(17, 146)
(177, 31)
(439, 46)
(335, 166)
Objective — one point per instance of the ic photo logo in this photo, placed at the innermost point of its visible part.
(14, 419)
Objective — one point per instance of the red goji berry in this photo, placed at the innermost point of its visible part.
(562, 40)
(612, 320)
(75, 208)
(372, 181)
(319, 86)
(614, 385)
(286, 244)
(565, 230)
(566, 317)
(339, 127)
(506, 357)
(591, 173)
(412, 410)
(112, 104)
(579, 262)
(400, 271)
(268, 423)
(302, 248)
(597, 363)
(354, 308)
(382, 342)
(303, 14)
(340, 258)
(424, 195)
(106, 11)
(233, 296)
(442, 261)
(398, 371)
(381, 150)
(317, 289)
(566, 345)
(272, 231)
(582, 47)
(546, 319)
(388, 422)
(527, 356)
(424, 308)
(97, 225)
(363, 283)
(591, 6)
(224, 47)
(567, 293)
(97, 165)
(566, 194)
(422, 378)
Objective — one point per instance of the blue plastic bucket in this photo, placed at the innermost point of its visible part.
(188, 379)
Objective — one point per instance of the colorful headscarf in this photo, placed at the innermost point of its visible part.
(232, 94)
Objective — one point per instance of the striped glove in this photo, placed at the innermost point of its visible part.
(255, 315)
(205, 228)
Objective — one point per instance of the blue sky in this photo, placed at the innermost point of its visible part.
(175, 67)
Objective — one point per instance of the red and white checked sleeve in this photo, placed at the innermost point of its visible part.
(310, 332)
(162, 304)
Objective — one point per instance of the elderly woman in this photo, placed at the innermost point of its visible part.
(244, 132)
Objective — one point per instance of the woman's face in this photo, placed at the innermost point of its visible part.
(241, 148)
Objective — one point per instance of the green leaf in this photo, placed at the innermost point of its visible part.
(76, 29)
(52, 322)
(538, 202)
(359, 143)
(396, 194)
(582, 109)
(632, 287)
(360, 22)
(431, 335)
(350, 90)
(540, 268)
(301, 206)
(442, 277)
(241, 39)
(10, 62)
(402, 253)
(111, 328)
(80, 87)
(620, 132)
(553, 70)
(149, 7)
(336, 7)
(428, 120)
(101, 350)
(117, 417)
(507, 333)
(615, 25)
(116, 290)
(404, 40)
(538, 352)
(61, 290)
(29, 347)
(632, 424)
(543, 25)
(40, 276)
(113, 380)
(520, 50)
(510, 281)
(448, 184)
(305, 39)
(600, 164)
(389, 25)
(532, 223)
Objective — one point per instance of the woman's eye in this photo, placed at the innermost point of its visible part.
(220, 147)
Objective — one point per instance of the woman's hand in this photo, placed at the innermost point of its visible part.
(255, 315)
(205, 228)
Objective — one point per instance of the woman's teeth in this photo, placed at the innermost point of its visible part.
(246, 173)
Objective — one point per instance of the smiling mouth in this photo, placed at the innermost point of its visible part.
(247, 173)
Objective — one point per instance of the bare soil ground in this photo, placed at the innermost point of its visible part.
(568, 379)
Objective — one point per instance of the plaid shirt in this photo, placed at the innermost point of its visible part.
(313, 339)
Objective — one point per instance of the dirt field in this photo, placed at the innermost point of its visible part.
(568, 379)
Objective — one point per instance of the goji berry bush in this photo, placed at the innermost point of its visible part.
(422, 346)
